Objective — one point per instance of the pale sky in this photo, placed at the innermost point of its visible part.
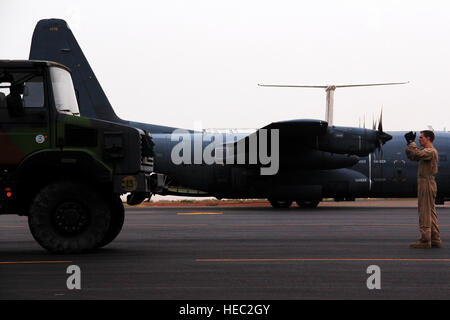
(176, 63)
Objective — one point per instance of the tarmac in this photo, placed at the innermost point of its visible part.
(240, 253)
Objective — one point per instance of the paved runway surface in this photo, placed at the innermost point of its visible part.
(237, 253)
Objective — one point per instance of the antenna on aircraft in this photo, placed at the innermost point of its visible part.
(330, 93)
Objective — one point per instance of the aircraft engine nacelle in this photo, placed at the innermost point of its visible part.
(348, 140)
(317, 159)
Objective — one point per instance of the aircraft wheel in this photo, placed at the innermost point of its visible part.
(307, 203)
(280, 204)
(69, 217)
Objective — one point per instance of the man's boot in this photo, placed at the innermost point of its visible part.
(421, 244)
(436, 243)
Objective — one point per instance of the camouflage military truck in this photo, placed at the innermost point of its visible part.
(64, 171)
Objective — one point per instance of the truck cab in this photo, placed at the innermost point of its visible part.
(64, 171)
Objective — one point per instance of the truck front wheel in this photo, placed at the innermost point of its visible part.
(69, 217)
(117, 220)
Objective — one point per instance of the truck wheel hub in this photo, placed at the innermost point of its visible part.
(71, 217)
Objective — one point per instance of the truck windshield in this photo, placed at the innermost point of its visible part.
(63, 91)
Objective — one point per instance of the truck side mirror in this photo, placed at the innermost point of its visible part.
(14, 100)
(2, 100)
(14, 104)
(77, 94)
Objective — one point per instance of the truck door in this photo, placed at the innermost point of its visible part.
(23, 130)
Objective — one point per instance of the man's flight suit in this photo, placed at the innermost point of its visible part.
(426, 193)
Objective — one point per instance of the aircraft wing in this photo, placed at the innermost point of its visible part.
(296, 129)
(285, 134)
(306, 144)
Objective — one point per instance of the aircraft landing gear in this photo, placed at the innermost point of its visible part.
(307, 203)
(280, 204)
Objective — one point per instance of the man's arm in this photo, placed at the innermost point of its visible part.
(416, 154)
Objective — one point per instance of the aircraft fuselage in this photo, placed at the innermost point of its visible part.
(382, 174)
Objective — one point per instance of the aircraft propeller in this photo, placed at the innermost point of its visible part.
(382, 137)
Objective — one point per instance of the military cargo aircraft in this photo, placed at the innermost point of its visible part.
(315, 160)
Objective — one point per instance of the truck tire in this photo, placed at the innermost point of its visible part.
(69, 217)
(117, 220)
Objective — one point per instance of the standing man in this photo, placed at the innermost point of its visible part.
(426, 187)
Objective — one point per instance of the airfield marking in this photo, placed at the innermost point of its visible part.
(170, 225)
(12, 227)
(322, 260)
(261, 225)
(275, 225)
(32, 262)
(198, 213)
(328, 225)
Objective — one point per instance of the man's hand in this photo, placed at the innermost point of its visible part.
(410, 137)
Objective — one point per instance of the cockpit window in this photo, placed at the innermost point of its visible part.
(63, 91)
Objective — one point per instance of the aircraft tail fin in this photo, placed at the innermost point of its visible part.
(54, 41)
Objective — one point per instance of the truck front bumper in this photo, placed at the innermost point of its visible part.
(132, 183)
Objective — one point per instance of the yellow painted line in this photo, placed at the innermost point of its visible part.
(30, 262)
(329, 225)
(321, 260)
(273, 224)
(12, 227)
(324, 225)
(260, 225)
(195, 213)
(170, 225)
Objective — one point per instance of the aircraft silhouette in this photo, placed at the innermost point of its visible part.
(316, 159)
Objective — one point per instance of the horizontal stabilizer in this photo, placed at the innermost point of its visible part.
(332, 86)
(330, 93)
